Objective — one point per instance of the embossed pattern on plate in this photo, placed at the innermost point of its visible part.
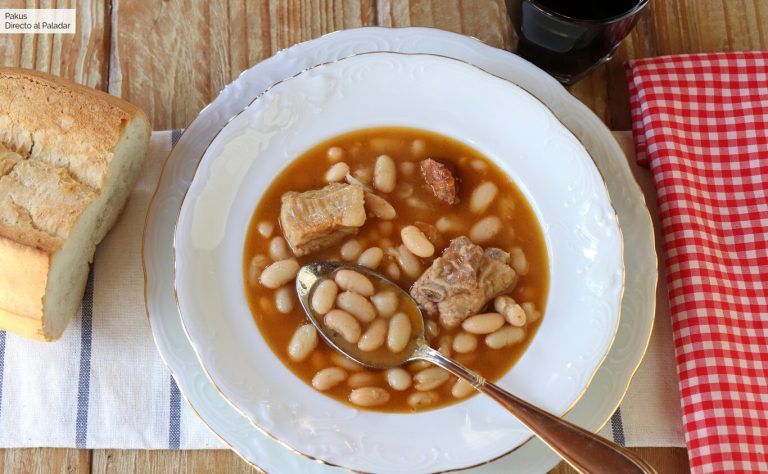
(450, 97)
(638, 304)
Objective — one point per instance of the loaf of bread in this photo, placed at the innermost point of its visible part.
(69, 157)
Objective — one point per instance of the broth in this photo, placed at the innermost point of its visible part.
(414, 203)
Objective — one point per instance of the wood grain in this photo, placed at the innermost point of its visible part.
(112, 461)
(486, 20)
(693, 26)
(45, 461)
(674, 27)
(82, 57)
(172, 58)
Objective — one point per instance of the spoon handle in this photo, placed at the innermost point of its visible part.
(585, 451)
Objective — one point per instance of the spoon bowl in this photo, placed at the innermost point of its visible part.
(311, 274)
(585, 451)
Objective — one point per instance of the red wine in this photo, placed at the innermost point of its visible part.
(588, 9)
(568, 38)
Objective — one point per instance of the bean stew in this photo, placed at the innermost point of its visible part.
(431, 214)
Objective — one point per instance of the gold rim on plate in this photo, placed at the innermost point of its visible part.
(574, 103)
(303, 71)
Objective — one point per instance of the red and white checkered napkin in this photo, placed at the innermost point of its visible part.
(701, 123)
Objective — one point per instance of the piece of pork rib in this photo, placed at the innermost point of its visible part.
(462, 280)
(319, 218)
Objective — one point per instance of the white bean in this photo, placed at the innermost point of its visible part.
(531, 313)
(279, 273)
(404, 190)
(266, 228)
(335, 153)
(399, 332)
(418, 365)
(284, 300)
(393, 271)
(422, 399)
(433, 329)
(303, 342)
(362, 379)
(357, 182)
(385, 144)
(406, 167)
(408, 262)
(513, 312)
(399, 379)
(344, 324)
(384, 174)
(328, 378)
(337, 172)
(278, 249)
(369, 396)
(501, 302)
(371, 258)
(519, 262)
(351, 280)
(345, 362)
(448, 224)
(478, 165)
(485, 323)
(444, 345)
(356, 305)
(379, 207)
(430, 379)
(386, 303)
(415, 241)
(461, 388)
(482, 197)
(506, 207)
(350, 250)
(485, 229)
(417, 203)
(464, 343)
(418, 148)
(257, 265)
(364, 174)
(324, 296)
(504, 337)
(373, 337)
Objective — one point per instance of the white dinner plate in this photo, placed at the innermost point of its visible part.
(611, 380)
(444, 95)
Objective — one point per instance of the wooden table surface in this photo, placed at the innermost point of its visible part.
(171, 57)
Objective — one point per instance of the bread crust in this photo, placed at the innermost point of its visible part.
(58, 139)
(65, 124)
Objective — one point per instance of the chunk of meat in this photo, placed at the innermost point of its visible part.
(319, 218)
(441, 180)
(461, 281)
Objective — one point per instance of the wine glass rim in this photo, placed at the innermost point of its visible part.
(612, 19)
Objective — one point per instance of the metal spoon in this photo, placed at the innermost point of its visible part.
(585, 451)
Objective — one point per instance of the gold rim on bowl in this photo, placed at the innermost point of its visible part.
(325, 63)
(568, 98)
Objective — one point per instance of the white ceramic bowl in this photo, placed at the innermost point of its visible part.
(447, 96)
